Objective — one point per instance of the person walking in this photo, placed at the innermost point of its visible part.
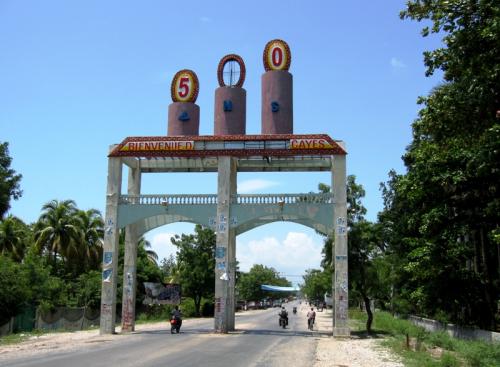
(311, 316)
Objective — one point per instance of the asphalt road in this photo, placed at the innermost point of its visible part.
(258, 341)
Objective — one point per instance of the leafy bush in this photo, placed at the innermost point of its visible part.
(474, 353)
(479, 354)
(441, 339)
(13, 288)
(207, 308)
(154, 313)
(448, 360)
(187, 307)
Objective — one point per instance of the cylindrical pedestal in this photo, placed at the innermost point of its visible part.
(183, 119)
(230, 111)
(277, 102)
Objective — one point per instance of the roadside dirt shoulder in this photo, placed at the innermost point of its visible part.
(67, 341)
(349, 352)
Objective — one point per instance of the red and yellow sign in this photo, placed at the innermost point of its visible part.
(310, 144)
(277, 55)
(157, 146)
(184, 86)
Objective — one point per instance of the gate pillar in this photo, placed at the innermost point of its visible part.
(130, 259)
(340, 281)
(225, 251)
(110, 247)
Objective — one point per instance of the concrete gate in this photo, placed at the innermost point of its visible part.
(228, 152)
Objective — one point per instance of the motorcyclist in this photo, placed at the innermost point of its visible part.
(177, 316)
(294, 310)
(284, 315)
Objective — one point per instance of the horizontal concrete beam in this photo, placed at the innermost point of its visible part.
(245, 164)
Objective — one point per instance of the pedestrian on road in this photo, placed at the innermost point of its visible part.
(311, 316)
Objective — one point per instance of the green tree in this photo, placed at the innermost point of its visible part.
(196, 264)
(88, 289)
(365, 250)
(45, 291)
(168, 268)
(147, 268)
(57, 231)
(91, 226)
(151, 255)
(9, 180)
(365, 258)
(249, 284)
(355, 212)
(13, 288)
(441, 217)
(316, 284)
(13, 237)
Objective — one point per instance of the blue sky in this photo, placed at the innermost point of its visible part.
(76, 77)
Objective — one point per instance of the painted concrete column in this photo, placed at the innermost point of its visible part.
(130, 258)
(225, 251)
(110, 247)
(277, 102)
(183, 119)
(230, 111)
(340, 280)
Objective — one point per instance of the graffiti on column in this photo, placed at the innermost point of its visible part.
(109, 227)
(220, 306)
(341, 281)
(108, 258)
(341, 286)
(128, 285)
(220, 252)
(128, 313)
(106, 275)
(342, 310)
(212, 223)
(341, 226)
(106, 309)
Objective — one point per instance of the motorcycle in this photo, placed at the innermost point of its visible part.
(282, 321)
(294, 310)
(175, 325)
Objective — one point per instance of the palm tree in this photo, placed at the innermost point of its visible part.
(152, 256)
(92, 233)
(57, 230)
(12, 237)
(142, 243)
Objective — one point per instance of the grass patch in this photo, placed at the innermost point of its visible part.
(420, 348)
(20, 337)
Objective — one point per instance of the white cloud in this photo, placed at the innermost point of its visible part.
(249, 186)
(292, 256)
(162, 245)
(396, 63)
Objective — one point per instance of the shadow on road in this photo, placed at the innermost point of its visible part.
(375, 334)
(201, 331)
(284, 332)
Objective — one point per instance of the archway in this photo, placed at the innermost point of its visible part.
(227, 212)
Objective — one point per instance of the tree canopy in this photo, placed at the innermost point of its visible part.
(249, 284)
(9, 180)
(196, 264)
(441, 217)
